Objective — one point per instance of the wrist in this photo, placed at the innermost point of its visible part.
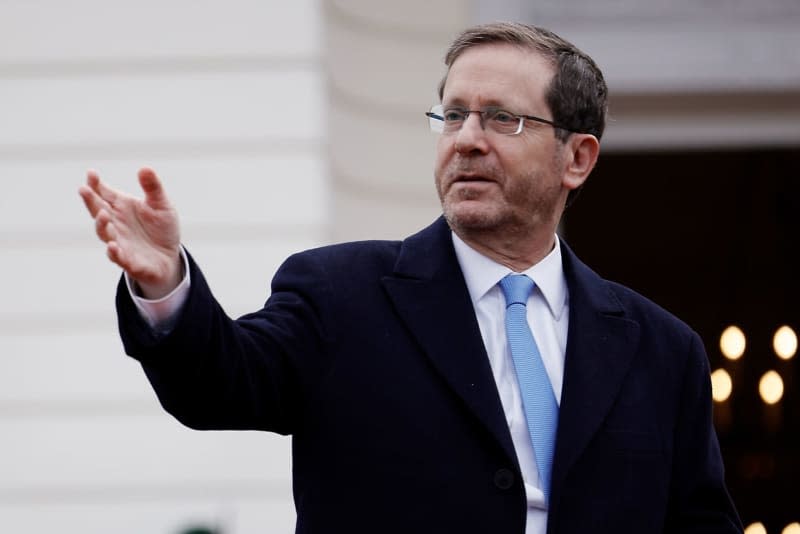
(160, 288)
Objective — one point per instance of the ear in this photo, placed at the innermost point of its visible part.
(581, 151)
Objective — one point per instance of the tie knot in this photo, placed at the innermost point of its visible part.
(516, 288)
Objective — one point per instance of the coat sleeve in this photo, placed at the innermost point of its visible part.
(699, 500)
(255, 372)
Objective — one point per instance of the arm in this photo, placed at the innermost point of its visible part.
(256, 372)
(699, 500)
(208, 370)
(161, 314)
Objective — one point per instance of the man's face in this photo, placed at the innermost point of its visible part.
(492, 182)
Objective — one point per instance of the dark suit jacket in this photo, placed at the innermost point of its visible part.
(369, 354)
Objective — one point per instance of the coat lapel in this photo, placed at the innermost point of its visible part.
(600, 346)
(430, 295)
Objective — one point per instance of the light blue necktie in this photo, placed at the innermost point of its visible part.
(539, 401)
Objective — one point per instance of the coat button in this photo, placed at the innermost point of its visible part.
(504, 478)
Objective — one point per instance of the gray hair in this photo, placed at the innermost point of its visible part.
(577, 95)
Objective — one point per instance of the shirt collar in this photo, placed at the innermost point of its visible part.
(482, 273)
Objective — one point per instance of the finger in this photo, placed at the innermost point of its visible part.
(103, 226)
(116, 255)
(100, 224)
(91, 200)
(154, 194)
(119, 256)
(92, 177)
(100, 188)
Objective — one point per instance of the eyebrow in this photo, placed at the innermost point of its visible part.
(490, 103)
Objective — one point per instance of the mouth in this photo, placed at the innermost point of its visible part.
(471, 178)
(471, 186)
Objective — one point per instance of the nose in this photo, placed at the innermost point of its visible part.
(471, 138)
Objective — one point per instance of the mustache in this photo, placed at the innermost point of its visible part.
(465, 166)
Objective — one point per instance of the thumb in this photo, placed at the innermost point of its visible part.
(154, 194)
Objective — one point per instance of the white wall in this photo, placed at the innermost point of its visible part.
(225, 100)
(384, 62)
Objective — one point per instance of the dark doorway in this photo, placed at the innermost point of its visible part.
(714, 237)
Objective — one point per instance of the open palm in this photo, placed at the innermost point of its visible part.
(142, 235)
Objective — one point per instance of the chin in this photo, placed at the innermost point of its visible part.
(463, 217)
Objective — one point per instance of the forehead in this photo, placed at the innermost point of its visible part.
(499, 74)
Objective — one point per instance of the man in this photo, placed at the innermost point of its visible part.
(425, 391)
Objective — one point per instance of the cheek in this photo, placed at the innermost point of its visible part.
(444, 148)
(444, 152)
(525, 179)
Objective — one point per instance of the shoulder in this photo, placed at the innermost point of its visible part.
(641, 307)
(662, 332)
(351, 258)
(667, 351)
(420, 254)
(588, 288)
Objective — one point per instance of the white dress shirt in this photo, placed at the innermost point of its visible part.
(548, 315)
(162, 313)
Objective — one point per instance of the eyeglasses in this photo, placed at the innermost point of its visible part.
(497, 120)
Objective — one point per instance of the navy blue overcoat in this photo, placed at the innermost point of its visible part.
(370, 356)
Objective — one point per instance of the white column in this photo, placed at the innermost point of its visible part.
(384, 62)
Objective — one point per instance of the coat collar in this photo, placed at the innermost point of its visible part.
(601, 344)
(429, 293)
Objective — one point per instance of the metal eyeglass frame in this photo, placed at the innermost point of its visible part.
(436, 119)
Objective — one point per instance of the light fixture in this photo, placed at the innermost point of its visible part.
(756, 528)
(721, 385)
(771, 387)
(732, 342)
(785, 342)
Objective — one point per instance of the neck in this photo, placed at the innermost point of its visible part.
(518, 253)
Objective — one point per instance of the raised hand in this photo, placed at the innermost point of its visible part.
(142, 235)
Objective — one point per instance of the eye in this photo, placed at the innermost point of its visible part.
(454, 115)
(503, 117)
